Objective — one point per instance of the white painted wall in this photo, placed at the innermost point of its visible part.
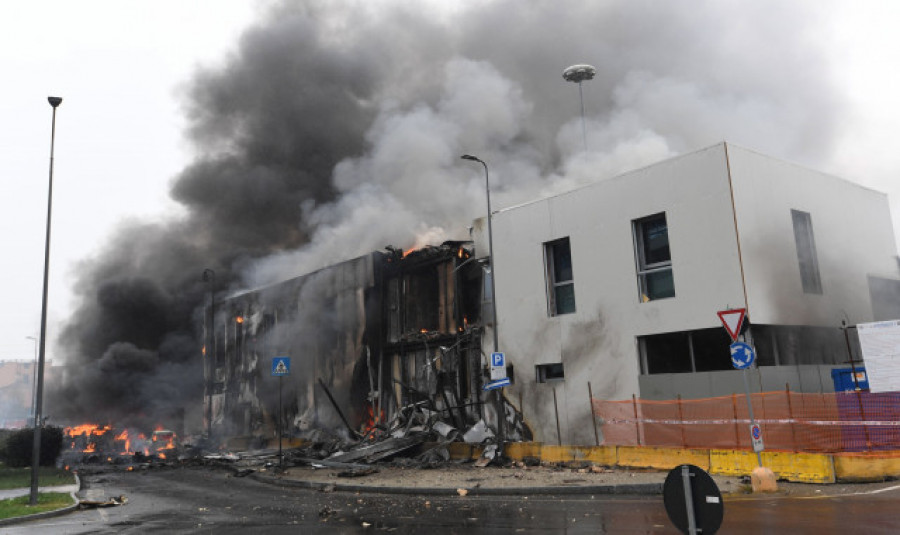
(597, 343)
(853, 234)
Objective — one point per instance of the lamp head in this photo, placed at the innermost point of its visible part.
(54, 101)
(470, 157)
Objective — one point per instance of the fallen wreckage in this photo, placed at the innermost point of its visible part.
(386, 352)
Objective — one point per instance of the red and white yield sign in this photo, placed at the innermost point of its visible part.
(732, 320)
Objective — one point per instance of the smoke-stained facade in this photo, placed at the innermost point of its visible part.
(335, 127)
(367, 337)
(651, 256)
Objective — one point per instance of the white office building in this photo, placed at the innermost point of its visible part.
(618, 283)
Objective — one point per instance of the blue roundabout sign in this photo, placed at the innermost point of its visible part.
(742, 355)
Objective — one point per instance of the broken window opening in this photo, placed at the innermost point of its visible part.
(560, 277)
(653, 258)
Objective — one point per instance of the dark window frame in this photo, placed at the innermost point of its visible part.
(647, 270)
(556, 284)
(551, 372)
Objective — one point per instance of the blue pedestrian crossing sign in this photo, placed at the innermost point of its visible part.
(281, 366)
(742, 355)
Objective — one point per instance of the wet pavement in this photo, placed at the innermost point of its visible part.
(205, 500)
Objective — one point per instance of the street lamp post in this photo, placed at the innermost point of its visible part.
(33, 376)
(578, 74)
(209, 276)
(39, 393)
(501, 416)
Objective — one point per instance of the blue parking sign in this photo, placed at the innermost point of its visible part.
(498, 360)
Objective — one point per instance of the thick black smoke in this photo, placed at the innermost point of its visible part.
(335, 128)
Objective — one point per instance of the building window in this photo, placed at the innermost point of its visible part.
(560, 281)
(806, 252)
(487, 296)
(702, 350)
(654, 261)
(546, 373)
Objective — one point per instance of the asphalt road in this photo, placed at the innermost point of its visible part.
(202, 500)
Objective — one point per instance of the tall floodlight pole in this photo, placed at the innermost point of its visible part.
(501, 416)
(39, 394)
(33, 375)
(209, 276)
(578, 74)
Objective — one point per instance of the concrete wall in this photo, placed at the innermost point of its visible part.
(853, 235)
(597, 343)
(803, 378)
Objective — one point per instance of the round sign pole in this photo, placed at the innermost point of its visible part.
(742, 357)
(280, 423)
(750, 410)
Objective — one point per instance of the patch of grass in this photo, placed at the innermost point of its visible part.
(48, 476)
(47, 501)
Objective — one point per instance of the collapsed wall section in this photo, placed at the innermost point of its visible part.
(370, 340)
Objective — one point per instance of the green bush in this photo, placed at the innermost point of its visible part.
(19, 446)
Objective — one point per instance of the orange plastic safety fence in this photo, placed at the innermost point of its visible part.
(790, 421)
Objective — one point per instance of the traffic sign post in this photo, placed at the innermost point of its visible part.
(498, 366)
(742, 355)
(498, 372)
(756, 438)
(281, 366)
(732, 320)
(742, 358)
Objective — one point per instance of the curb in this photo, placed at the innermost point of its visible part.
(46, 514)
(792, 466)
(645, 489)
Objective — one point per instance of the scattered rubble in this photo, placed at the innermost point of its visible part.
(112, 501)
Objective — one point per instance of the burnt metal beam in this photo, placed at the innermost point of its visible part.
(354, 432)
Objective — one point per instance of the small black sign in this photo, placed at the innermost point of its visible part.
(705, 499)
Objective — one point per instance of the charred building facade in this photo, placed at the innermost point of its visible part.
(371, 340)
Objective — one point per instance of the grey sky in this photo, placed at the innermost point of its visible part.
(690, 76)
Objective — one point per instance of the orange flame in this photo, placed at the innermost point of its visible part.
(123, 437)
(89, 429)
(372, 421)
(408, 251)
(163, 439)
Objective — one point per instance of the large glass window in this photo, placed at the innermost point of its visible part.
(654, 261)
(806, 252)
(702, 350)
(560, 279)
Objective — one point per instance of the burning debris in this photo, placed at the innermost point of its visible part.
(92, 444)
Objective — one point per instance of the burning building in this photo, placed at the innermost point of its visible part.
(371, 339)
